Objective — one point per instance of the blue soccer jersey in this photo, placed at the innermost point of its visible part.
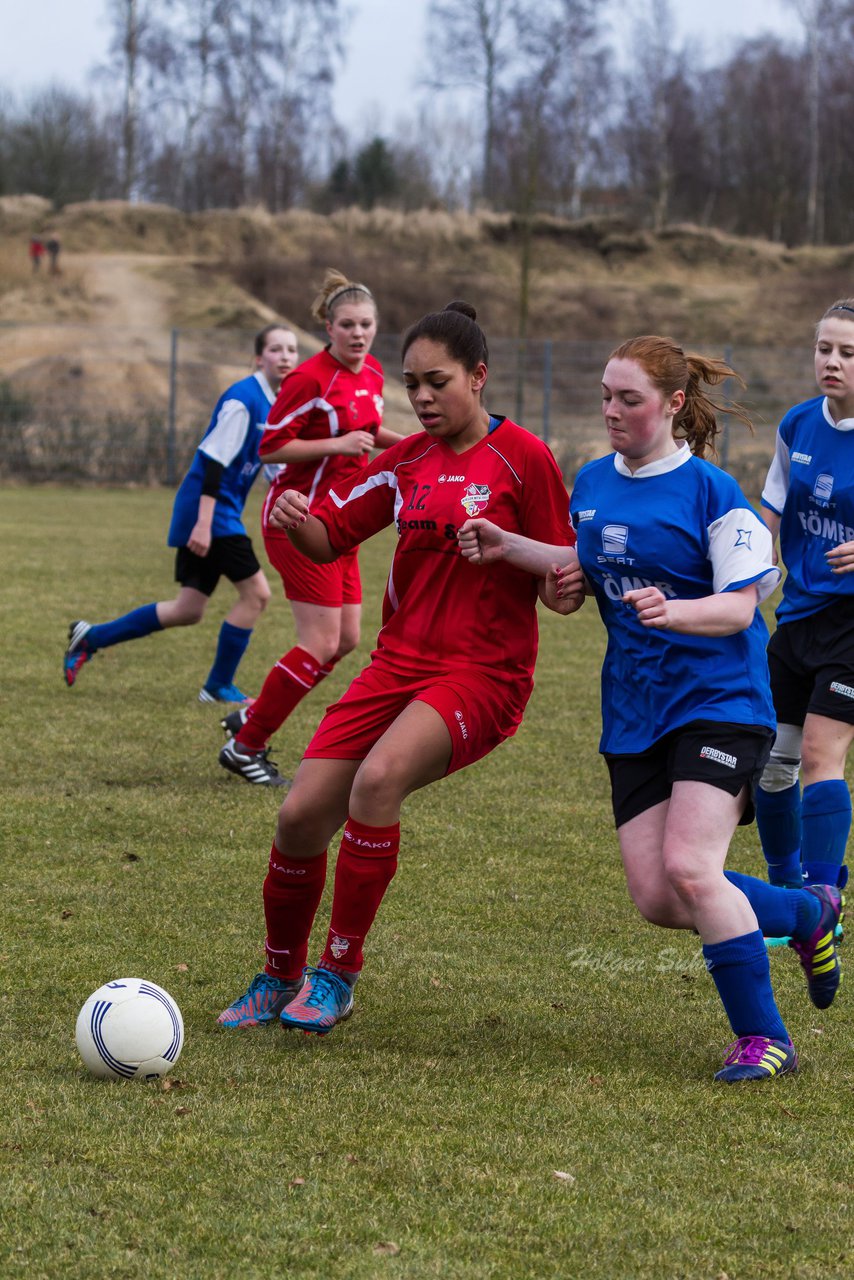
(684, 526)
(232, 439)
(810, 485)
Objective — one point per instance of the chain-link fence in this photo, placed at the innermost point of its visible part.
(79, 404)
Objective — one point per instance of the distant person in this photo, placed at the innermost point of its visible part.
(808, 501)
(207, 530)
(326, 420)
(678, 563)
(53, 247)
(36, 252)
(448, 680)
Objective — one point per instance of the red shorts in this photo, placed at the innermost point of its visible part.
(332, 584)
(480, 712)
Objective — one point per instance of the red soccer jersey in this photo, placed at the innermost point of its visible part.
(439, 610)
(319, 399)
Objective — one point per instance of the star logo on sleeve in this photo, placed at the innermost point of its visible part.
(743, 539)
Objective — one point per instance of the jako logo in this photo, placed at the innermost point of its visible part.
(287, 871)
(844, 689)
(461, 722)
(451, 479)
(720, 757)
(366, 844)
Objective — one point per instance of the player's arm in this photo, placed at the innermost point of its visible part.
(350, 444)
(308, 534)
(386, 437)
(483, 542)
(220, 447)
(724, 613)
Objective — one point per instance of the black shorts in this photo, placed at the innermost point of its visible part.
(233, 557)
(811, 662)
(728, 756)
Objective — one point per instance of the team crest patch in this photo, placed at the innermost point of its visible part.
(339, 947)
(475, 498)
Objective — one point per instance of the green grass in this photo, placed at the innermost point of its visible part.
(516, 1017)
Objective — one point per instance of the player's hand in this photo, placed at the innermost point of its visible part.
(651, 606)
(481, 541)
(570, 581)
(568, 586)
(841, 558)
(199, 541)
(290, 510)
(353, 443)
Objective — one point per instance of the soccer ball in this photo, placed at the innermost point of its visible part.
(129, 1029)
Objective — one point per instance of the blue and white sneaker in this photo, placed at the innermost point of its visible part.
(325, 999)
(223, 693)
(78, 653)
(757, 1058)
(263, 1002)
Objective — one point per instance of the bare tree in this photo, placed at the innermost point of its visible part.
(474, 48)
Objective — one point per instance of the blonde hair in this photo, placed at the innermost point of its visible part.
(845, 305)
(334, 290)
(670, 369)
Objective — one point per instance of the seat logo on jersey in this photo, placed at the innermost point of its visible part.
(823, 487)
(615, 538)
(475, 498)
(719, 757)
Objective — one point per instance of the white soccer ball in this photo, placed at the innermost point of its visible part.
(129, 1029)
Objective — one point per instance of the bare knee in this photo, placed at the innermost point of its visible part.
(301, 831)
(257, 597)
(657, 909)
(377, 785)
(184, 613)
(347, 641)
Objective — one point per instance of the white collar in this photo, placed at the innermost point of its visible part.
(660, 467)
(265, 386)
(844, 424)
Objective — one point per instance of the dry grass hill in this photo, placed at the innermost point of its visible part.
(98, 332)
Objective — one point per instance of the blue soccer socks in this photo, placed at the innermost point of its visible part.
(826, 823)
(231, 646)
(741, 972)
(779, 912)
(130, 626)
(778, 818)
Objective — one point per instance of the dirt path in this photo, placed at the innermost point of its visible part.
(126, 294)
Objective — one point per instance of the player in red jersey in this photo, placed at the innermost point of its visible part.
(325, 422)
(450, 675)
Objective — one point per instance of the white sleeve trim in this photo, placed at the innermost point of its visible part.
(741, 553)
(777, 480)
(226, 439)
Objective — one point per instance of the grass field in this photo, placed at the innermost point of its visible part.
(525, 1088)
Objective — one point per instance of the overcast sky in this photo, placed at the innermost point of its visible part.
(62, 40)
